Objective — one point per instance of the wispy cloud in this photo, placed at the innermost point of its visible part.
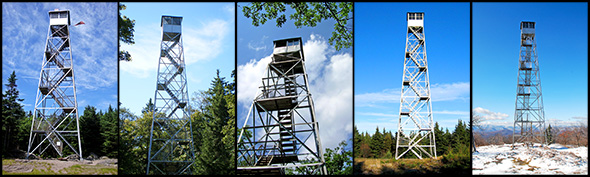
(330, 79)
(260, 45)
(202, 42)
(439, 92)
(489, 115)
(94, 46)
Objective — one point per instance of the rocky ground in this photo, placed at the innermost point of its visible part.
(67, 165)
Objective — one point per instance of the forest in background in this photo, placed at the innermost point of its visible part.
(98, 130)
(213, 122)
(452, 149)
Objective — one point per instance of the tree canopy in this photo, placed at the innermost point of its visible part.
(307, 14)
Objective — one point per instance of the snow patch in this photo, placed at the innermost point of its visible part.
(520, 159)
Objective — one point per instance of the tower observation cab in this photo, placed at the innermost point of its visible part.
(415, 18)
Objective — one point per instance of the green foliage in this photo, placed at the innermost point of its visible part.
(213, 124)
(109, 133)
(98, 132)
(383, 145)
(456, 163)
(148, 107)
(306, 14)
(377, 144)
(549, 135)
(339, 160)
(126, 30)
(216, 139)
(12, 116)
(133, 142)
(90, 131)
(356, 142)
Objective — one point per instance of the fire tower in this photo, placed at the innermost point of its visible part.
(55, 121)
(529, 116)
(415, 126)
(281, 129)
(171, 140)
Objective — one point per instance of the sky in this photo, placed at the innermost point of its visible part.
(380, 41)
(94, 50)
(329, 72)
(561, 33)
(208, 41)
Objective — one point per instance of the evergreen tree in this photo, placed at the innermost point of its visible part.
(12, 112)
(549, 135)
(387, 144)
(108, 124)
(149, 107)
(377, 144)
(441, 143)
(90, 131)
(215, 156)
(356, 142)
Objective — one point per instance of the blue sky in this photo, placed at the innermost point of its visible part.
(94, 49)
(380, 41)
(208, 40)
(329, 72)
(562, 48)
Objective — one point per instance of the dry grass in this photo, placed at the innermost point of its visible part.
(367, 166)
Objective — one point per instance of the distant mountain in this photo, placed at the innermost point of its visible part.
(490, 130)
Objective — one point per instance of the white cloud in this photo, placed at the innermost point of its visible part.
(330, 79)
(489, 115)
(200, 43)
(24, 30)
(460, 113)
(450, 92)
(249, 79)
(256, 47)
(376, 98)
(439, 92)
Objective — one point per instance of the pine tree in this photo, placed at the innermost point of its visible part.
(90, 131)
(108, 125)
(12, 112)
(215, 156)
(387, 144)
(549, 135)
(441, 143)
(377, 144)
(356, 144)
(149, 107)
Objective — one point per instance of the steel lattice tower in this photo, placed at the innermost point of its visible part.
(529, 116)
(415, 126)
(171, 140)
(55, 120)
(281, 129)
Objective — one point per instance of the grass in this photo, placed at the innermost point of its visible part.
(44, 168)
(447, 164)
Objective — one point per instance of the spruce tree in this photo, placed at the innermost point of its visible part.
(377, 144)
(214, 156)
(90, 131)
(12, 112)
(108, 125)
